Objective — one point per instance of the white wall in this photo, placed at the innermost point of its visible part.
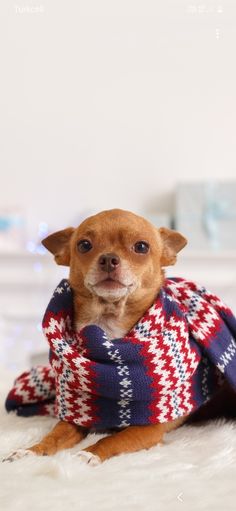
(109, 102)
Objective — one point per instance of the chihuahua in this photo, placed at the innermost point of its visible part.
(116, 262)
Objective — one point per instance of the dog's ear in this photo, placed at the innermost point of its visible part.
(173, 242)
(59, 245)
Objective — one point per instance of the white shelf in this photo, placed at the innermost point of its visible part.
(24, 254)
(208, 254)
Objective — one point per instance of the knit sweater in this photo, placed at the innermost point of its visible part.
(168, 365)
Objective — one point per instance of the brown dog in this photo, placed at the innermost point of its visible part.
(116, 262)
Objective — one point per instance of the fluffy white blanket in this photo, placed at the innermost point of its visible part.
(195, 469)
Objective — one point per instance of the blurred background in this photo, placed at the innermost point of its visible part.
(104, 104)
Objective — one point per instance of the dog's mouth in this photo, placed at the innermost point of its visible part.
(111, 288)
(110, 283)
(113, 285)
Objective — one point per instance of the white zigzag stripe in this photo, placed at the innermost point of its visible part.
(164, 399)
(36, 381)
(203, 329)
(65, 408)
(183, 370)
(186, 393)
(83, 409)
(157, 312)
(54, 325)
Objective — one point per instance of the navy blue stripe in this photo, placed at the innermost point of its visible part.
(108, 380)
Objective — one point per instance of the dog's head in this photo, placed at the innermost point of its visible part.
(115, 254)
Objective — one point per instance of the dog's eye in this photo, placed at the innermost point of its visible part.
(141, 247)
(84, 246)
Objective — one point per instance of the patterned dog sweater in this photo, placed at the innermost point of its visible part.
(168, 365)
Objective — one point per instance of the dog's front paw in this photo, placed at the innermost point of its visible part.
(89, 458)
(17, 455)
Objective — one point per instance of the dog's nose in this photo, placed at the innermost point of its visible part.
(108, 262)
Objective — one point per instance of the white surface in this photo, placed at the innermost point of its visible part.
(195, 469)
(109, 103)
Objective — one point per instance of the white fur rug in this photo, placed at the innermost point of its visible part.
(195, 469)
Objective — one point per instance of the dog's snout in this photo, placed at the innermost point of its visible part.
(108, 262)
